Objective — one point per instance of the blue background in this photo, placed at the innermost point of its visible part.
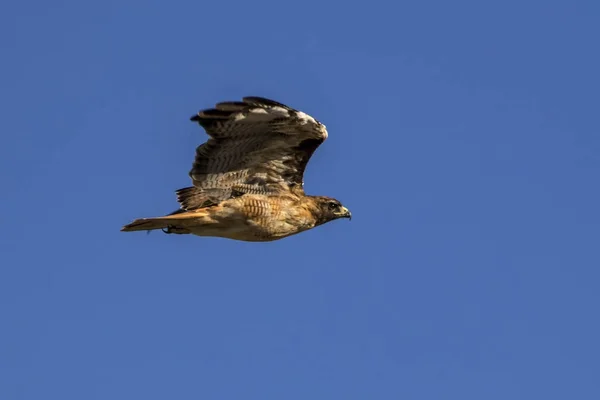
(464, 137)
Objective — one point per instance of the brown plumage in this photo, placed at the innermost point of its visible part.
(248, 177)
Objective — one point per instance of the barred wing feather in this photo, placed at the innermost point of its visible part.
(256, 146)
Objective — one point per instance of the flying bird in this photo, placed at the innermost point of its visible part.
(248, 178)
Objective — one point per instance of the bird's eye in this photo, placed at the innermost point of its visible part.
(333, 206)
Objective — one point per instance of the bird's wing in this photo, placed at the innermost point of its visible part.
(256, 146)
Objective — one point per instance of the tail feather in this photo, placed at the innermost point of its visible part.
(173, 223)
(147, 224)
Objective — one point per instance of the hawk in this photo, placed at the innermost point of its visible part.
(247, 179)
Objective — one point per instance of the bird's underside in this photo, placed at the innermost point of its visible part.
(248, 218)
(248, 177)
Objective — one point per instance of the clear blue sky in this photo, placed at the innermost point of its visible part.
(464, 136)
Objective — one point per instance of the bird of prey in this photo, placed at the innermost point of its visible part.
(248, 177)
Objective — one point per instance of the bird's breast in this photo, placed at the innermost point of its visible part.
(276, 216)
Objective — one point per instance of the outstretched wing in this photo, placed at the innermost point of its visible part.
(256, 146)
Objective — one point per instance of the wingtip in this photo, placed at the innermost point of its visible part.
(126, 228)
(258, 100)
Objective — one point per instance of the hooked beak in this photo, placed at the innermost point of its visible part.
(346, 213)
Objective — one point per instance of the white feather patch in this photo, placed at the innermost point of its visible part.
(258, 111)
(305, 118)
(280, 111)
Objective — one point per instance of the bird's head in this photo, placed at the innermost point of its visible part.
(329, 209)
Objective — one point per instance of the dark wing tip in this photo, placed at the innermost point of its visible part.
(231, 106)
(211, 115)
(225, 109)
(257, 100)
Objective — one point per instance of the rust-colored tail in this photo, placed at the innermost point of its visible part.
(147, 224)
(173, 223)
